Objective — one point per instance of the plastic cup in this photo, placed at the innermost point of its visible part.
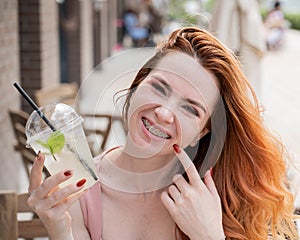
(67, 147)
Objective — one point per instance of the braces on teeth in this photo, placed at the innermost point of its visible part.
(154, 130)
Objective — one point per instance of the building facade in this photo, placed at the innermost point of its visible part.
(44, 43)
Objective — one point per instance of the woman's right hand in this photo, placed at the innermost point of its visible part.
(50, 202)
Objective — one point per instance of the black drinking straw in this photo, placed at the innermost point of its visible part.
(34, 106)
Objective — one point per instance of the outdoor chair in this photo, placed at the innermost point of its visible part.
(18, 120)
(62, 93)
(17, 218)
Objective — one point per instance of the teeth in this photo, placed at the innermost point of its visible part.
(155, 131)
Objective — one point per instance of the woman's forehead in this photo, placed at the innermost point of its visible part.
(188, 74)
(187, 67)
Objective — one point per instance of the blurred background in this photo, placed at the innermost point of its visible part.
(47, 43)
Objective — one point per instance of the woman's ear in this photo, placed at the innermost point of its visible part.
(199, 136)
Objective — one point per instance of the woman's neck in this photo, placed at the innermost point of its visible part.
(129, 162)
(122, 172)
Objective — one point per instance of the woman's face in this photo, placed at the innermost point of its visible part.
(171, 106)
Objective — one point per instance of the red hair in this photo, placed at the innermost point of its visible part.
(250, 173)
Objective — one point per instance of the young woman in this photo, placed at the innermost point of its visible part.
(190, 95)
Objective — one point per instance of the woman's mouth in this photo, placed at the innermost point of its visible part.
(155, 131)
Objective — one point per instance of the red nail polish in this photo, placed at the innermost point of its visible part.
(68, 173)
(81, 182)
(211, 171)
(176, 148)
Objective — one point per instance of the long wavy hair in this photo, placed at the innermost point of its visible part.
(250, 173)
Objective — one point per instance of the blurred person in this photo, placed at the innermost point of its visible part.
(138, 32)
(275, 25)
(191, 94)
(239, 25)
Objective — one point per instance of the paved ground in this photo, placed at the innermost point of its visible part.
(280, 95)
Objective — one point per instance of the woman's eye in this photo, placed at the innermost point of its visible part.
(192, 110)
(159, 88)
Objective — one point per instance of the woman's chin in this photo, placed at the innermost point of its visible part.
(144, 149)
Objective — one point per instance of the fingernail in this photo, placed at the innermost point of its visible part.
(81, 182)
(68, 173)
(176, 148)
(176, 177)
(39, 157)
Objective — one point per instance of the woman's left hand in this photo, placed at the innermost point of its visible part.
(195, 206)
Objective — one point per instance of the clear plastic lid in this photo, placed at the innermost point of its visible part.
(61, 116)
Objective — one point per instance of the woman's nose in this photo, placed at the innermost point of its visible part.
(164, 114)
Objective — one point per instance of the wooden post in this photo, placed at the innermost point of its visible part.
(8, 215)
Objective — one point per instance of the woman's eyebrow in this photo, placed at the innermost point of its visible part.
(163, 82)
(169, 88)
(196, 103)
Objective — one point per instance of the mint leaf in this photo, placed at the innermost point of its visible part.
(45, 145)
(56, 142)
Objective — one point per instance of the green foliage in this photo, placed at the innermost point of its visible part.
(264, 13)
(177, 11)
(293, 19)
(209, 5)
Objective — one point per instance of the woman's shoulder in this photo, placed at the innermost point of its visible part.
(93, 194)
(98, 158)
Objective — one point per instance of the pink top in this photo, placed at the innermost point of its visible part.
(91, 209)
(91, 206)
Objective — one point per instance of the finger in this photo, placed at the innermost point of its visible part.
(62, 196)
(210, 184)
(65, 205)
(180, 183)
(188, 164)
(174, 193)
(168, 202)
(36, 174)
(52, 182)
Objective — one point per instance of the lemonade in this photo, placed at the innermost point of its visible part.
(64, 149)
